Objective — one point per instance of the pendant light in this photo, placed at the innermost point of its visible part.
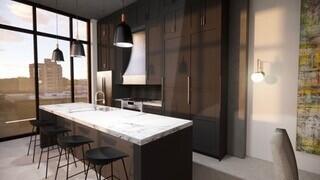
(57, 54)
(123, 34)
(77, 49)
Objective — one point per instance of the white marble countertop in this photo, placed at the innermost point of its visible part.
(136, 127)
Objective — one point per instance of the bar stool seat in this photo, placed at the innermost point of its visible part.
(68, 143)
(41, 123)
(54, 130)
(104, 156)
(73, 141)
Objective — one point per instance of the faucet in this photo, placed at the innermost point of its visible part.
(96, 100)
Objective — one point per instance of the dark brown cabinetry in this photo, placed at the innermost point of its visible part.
(186, 54)
(207, 97)
(205, 14)
(154, 53)
(177, 77)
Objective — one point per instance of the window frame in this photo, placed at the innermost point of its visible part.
(37, 33)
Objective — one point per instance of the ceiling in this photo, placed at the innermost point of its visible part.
(91, 9)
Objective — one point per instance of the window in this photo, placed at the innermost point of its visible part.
(54, 77)
(17, 100)
(82, 29)
(16, 14)
(81, 78)
(21, 72)
(46, 22)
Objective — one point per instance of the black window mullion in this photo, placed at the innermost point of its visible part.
(71, 62)
(35, 54)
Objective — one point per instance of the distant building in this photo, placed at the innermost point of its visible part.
(50, 76)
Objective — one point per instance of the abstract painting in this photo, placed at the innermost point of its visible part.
(308, 123)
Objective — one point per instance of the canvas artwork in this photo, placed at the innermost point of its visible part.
(308, 124)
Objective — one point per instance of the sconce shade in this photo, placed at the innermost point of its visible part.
(57, 55)
(257, 77)
(123, 36)
(77, 49)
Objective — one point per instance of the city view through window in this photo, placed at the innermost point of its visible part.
(17, 65)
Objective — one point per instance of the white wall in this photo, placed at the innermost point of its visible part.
(274, 38)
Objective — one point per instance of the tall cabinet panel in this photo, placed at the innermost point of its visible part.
(176, 77)
(206, 91)
(154, 53)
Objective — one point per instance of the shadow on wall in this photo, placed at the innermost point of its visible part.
(201, 172)
(274, 37)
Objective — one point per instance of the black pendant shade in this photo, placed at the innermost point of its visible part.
(57, 55)
(77, 49)
(123, 35)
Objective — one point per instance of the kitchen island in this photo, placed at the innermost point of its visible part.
(159, 147)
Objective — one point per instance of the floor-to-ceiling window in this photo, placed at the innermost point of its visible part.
(28, 76)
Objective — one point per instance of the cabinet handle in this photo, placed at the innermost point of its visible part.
(188, 89)
(201, 21)
(162, 88)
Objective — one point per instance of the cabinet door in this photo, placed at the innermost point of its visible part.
(196, 15)
(155, 53)
(212, 14)
(142, 12)
(176, 20)
(155, 10)
(177, 62)
(206, 75)
(131, 15)
(111, 47)
(206, 92)
(103, 51)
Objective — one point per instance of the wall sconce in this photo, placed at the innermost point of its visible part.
(259, 75)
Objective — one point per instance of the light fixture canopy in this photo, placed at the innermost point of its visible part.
(77, 49)
(57, 54)
(259, 75)
(123, 35)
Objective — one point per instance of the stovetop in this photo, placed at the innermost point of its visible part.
(137, 99)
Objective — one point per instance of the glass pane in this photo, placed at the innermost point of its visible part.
(81, 78)
(15, 14)
(17, 100)
(82, 29)
(46, 22)
(54, 77)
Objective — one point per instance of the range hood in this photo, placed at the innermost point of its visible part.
(135, 73)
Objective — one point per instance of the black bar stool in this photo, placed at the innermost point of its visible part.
(68, 143)
(36, 124)
(103, 156)
(51, 133)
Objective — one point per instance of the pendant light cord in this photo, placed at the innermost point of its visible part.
(122, 15)
(57, 24)
(77, 21)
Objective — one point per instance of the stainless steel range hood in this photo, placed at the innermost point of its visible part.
(135, 73)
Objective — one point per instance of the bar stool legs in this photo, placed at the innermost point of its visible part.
(34, 143)
(69, 151)
(125, 170)
(99, 176)
(30, 141)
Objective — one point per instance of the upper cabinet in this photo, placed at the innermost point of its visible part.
(154, 53)
(142, 13)
(176, 22)
(205, 15)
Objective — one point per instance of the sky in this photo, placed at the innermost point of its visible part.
(16, 49)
